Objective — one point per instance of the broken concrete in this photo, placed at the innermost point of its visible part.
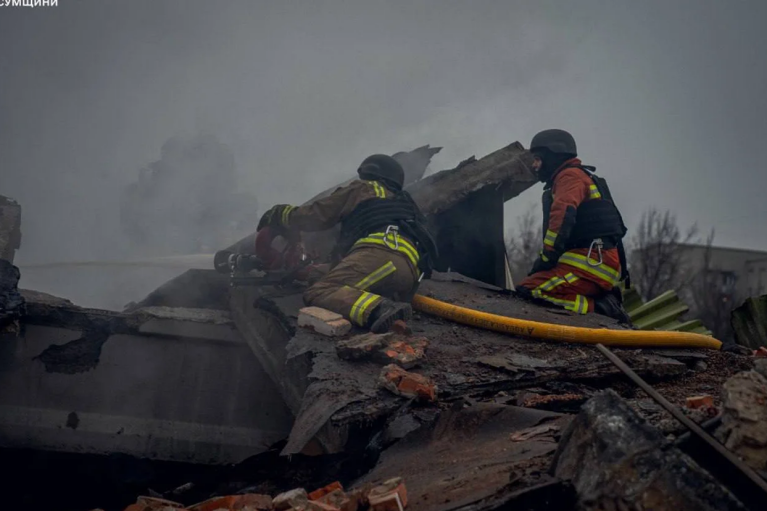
(331, 396)
(10, 228)
(387, 348)
(467, 456)
(160, 383)
(744, 418)
(612, 456)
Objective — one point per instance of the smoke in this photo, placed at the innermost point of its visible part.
(666, 99)
(187, 202)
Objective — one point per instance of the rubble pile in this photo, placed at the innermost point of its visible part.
(431, 416)
(388, 495)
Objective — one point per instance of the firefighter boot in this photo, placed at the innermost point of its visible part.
(610, 304)
(387, 312)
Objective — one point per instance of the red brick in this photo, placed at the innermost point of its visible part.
(316, 494)
(387, 348)
(704, 401)
(407, 384)
(154, 504)
(246, 502)
(316, 505)
(761, 352)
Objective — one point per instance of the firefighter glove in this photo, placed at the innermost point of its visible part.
(276, 216)
(545, 261)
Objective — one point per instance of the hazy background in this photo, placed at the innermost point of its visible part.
(667, 98)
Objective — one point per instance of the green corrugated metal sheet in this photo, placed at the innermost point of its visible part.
(661, 313)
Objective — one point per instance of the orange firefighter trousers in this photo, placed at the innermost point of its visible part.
(575, 287)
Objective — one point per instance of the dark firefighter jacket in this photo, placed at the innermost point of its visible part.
(365, 210)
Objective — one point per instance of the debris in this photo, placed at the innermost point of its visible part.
(695, 402)
(362, 346)
(391, 495)
(761, 352)
(407, 384)
(402, 328)
(553, 402)
(749, 322)
(406, 354)
(321, 492)
(744, 418)
(609, 452)
(527, 434)
(154, 504)
(323, 321)
(246, 502)
(292, 498)
(182, 489)
(337, 499)
(385, 348)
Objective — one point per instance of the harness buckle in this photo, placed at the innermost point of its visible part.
(599, 244)
(394, 231)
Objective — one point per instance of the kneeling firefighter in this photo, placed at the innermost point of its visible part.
(583, 258)
(384, 248)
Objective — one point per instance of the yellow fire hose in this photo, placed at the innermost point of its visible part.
(538, 330)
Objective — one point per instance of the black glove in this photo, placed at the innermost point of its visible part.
(544, 262)
(276, 216)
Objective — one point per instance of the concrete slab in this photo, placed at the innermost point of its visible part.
(204, 400)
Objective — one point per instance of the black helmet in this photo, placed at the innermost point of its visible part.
(380, 166)
(556, 141)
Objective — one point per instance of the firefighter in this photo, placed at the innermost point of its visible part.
(582, 260)
(383, 251)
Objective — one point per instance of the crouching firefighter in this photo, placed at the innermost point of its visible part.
(583, 259)
(383, 251)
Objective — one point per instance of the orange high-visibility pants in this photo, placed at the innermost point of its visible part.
(562, 287)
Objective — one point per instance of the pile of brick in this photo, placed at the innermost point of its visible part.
(398, 349)
(390, 495)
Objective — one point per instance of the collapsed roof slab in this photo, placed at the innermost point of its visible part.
(334, 398)
(161, 383)
(508, 170)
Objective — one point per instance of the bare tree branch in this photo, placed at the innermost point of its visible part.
(523, 243)
(712, 294)
(657, 254)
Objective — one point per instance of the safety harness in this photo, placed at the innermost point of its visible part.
(394, 222)
(596, 224)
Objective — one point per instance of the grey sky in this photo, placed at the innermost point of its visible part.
(666, 98)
